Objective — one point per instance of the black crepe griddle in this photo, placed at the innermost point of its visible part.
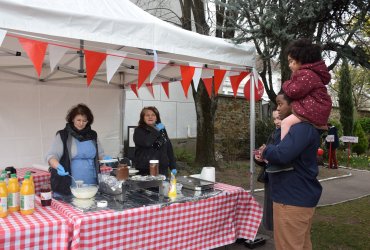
(193, 183)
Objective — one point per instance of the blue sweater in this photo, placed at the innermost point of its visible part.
(300, 186)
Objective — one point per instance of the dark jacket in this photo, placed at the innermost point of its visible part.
(61, 184)
(150, 144)
(335, 144)
(299, 147)
(274, 138)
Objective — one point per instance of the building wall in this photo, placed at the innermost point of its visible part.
(335, 115)
(232, 127)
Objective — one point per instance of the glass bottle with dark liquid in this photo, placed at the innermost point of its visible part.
(45, 194)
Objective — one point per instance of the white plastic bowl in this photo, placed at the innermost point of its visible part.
(87, 191)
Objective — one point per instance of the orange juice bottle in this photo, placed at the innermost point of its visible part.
(13, 194)
(3, 198)
(27, 196)
(172, 193)
(4, 175)
(31, 178)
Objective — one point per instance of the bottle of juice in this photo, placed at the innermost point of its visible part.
(4, 175)
(31, 178)
(3, 198)
(27, 196)
(13, 194)
(172, 193)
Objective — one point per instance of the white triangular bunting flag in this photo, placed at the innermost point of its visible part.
(155, 59)
(2, 35)
(231, 72)
(227, 68)
(113, 62)
(160, 65)
(197, 73)
(55, 55)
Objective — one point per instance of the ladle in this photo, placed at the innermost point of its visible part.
(78, 183)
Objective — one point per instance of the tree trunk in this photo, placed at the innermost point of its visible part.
(284, 65)
(205, 110)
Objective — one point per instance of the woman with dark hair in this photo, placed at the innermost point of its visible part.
(307, 86)
(75, 151)
(152, 143)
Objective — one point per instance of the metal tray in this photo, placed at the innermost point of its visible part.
(193, 183)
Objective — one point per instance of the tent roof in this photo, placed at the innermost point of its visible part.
(109, 24)
(120, 23)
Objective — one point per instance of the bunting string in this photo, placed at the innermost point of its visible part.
(148, 67)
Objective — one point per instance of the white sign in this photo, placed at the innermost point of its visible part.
(330, 138)
(351, 139)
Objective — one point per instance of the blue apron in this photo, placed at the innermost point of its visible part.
(83, 163)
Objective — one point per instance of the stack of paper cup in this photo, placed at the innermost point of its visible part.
(208, 173)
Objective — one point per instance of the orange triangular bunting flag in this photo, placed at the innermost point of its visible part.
(219, 77)
(36, 52)
(187, 73)
(150, 88)
(145, 67)
(93, 61)
(235, 81)
(166, 88)
(134, 89)
(208, 84)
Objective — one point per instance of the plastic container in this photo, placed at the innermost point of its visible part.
(13, 194)
(27, 195)
(3, 199)
(172, 193)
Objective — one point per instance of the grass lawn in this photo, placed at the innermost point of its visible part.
(342, 226)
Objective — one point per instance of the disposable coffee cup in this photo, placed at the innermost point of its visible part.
(154, 167)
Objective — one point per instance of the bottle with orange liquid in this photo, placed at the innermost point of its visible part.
(3, 199)
(172, 193)
(31, 178)
(13, 194)
(4, 175)
(27, 196)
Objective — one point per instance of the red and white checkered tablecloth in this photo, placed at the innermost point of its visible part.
(204, 224)
(44, 229)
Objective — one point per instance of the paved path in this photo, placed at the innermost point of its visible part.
(336, 190)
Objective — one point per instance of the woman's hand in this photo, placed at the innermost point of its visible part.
(61, 171)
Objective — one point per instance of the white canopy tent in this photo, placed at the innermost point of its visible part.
(96, 25)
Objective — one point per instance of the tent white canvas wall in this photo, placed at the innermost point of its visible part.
(32, 110)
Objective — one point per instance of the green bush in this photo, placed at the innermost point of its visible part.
(365, 124)
(183, 155)
(362, 145)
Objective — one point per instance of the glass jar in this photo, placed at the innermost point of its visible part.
(122, 172)
(154, 167)
(45, 195)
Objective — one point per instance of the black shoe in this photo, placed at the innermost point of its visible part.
(278, 168)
